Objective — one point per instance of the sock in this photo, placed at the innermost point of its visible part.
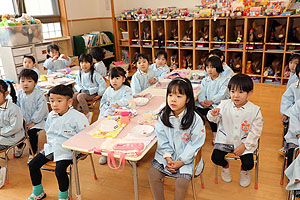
(227, 166)
(63, 195)
(37, 190)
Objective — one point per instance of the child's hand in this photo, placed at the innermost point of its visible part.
(215, 112)
(64, 57)
(204, 105)
(54, 58)
(284, 118)
(177, 164)
(208, 102)
(239, 150)
(115, 106)
(96, 98)
(29, 126)
(152, 80)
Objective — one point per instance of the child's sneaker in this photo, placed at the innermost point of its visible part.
(2, 176)
(103, 160)
(282, 151)
(39, 197)
(30, 157)
(19, 151)
(226, 174)
(245, 178)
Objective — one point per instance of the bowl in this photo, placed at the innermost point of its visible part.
(141, 101)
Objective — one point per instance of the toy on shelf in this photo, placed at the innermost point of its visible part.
(277, 33)
(274, 69)
(256, 63)
(146, 35)
(236, 63)
(204, 33)
(203, 58)
(174, 33)
(174, 61)
(256, 33)
(136, 33)
(237, 8)
(220, 34)
(295, 35)
(187, 62)
(238, 33)
(188, 34)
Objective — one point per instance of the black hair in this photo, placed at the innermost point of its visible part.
(87, 58)
(218, 53)
(29, 74)
(117, 72)
(215, 62)
(4, 88)
(242, 82)
(183, 86)
(161, 52)
(30, 57)
(298, 70)
(141, 56)
(52, 47)
(294, 56)
(97, 53)
(62, 90)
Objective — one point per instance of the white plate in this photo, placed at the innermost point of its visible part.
(140, 130)
(141, 101)
(108, 125)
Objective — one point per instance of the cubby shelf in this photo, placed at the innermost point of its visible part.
(265, 49)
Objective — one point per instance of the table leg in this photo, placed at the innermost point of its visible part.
(135, 180)
(75, 167)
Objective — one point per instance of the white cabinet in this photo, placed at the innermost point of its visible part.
(11, 58)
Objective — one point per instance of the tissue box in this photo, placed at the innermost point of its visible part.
(20, 35)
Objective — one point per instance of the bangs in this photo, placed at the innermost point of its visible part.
(175, 88)
(241, 82)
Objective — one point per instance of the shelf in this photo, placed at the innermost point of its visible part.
(187, 48)
(108, 57)
(232, 49)
(108, 44)
(255, 43)
(254, 75)
(297, 44)
(274, 51)
(202, 42)
(202, 49)
(172, 47)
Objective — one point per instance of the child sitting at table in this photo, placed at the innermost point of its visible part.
(29, 63)
(116, 95)
(239, 127)
(11, 121)
(159, 67)
(180, 135)
(143, 77)
(98, 54)
(62, 123)
(55, 60)
(213, 89)
(89, 85)
(228, 72)
(33, 104)
(294, 60)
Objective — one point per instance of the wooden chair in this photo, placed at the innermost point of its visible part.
(196, 161)
(7, 150)
(285, 156)
(92, 104)
(231, 156)
(50, 166)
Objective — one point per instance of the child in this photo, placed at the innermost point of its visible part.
(143, 77)
(180, 135)
(89, 85)
(159, 67)
(62, 123)
(11, 121)
(98, 54)
(239, 128)
(34, 107)
(29, 63)
(293, 62)
(290, 96)
(117, 95)
(228, 73)
(55, 60)
(213, 89)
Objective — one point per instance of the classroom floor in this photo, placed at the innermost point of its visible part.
(115, 185)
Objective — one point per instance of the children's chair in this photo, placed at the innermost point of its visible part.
(92, 104)
(6, 151)
(196, 161)
(50, 166)
(232, 156)
(285, 156)
(292, 193)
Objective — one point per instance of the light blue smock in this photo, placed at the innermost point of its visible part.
(56, 64)
(159, 72)
(140, 81)
(289, 97)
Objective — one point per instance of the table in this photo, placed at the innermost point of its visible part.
(83, 142)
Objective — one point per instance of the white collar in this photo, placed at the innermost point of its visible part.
(5, 105)
(180, 114)
(142, 72)
(242, 107)
(57, 115)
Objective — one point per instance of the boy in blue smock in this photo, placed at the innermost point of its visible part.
(62, 123)
(34, 107)
(160, 67)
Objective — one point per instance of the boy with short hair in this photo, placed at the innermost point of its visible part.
(160, 67)
(62, 123)
(34, 107)
(29, 63)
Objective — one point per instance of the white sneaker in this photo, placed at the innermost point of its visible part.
(30, 157)
(245, 178)
(19, 151)
(103, 160)
(226, 174)
(2, 176)
(89, 116)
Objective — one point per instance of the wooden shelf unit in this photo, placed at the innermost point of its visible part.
(230, 47)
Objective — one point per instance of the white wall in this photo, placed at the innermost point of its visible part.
(121, 5)
(82, 9)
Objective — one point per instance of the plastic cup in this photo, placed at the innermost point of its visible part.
(125, 117)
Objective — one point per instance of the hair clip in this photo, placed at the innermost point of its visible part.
(126, 75)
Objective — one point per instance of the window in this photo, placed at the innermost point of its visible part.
(7, 7)
(52, 30)
(42, 8)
